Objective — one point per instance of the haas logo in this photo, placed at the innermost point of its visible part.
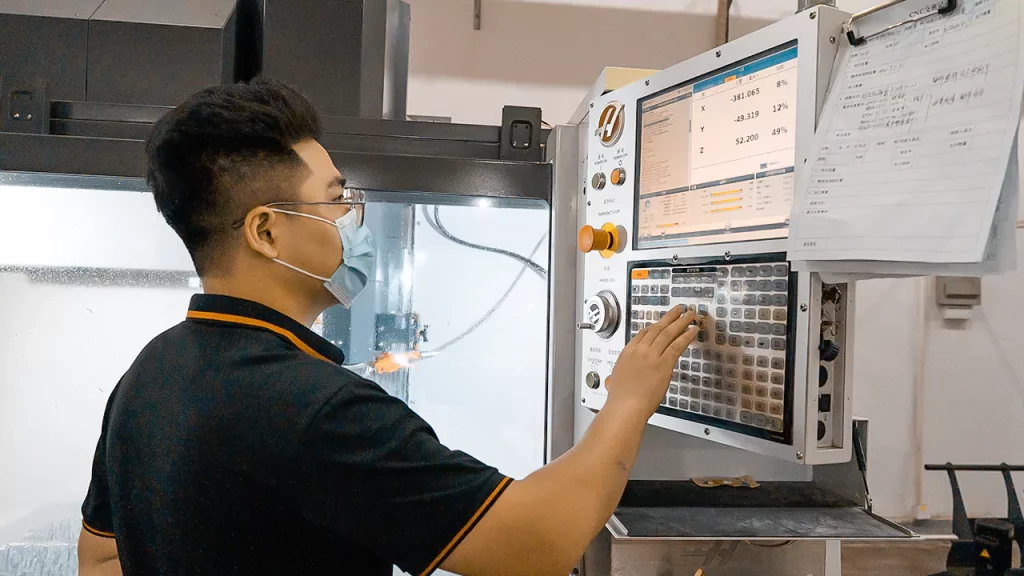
(609, 125)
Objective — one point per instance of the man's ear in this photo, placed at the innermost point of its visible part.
(260, 231)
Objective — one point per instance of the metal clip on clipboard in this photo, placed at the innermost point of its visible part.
(856, 40)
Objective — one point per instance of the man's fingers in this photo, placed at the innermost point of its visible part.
(672, 331)
(650, 334)
(676, 347)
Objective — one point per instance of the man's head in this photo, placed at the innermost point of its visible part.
(218, 160)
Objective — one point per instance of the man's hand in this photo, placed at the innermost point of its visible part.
(644, 368)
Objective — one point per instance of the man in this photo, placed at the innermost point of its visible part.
(237, 444)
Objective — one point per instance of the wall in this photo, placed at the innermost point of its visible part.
(974, 393)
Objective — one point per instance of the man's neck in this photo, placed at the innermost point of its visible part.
(263, 293)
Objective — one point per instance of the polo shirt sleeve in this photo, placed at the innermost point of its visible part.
(374, 473)
(97, 516)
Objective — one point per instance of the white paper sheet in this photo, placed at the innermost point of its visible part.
(913, 144)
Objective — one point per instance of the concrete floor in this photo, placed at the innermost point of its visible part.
(916, 559)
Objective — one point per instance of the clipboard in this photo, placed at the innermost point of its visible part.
(856, 40)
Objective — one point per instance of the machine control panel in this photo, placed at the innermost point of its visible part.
(688, 184)
(735, 373)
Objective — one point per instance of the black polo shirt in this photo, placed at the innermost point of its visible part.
(237, 444)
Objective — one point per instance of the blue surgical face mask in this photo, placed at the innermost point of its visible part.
(358, 257)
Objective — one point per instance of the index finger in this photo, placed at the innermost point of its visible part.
(650, 334)
(672, 331)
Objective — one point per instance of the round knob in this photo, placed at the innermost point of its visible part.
(618, 176)
(593, 380)
(591, 239)
(602, 312)
(598, 181)
(828, 350)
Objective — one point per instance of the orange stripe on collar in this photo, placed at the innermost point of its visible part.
(233, 319)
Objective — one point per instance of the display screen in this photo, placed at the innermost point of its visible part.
(717, 153)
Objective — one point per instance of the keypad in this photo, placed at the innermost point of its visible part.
(736, 369)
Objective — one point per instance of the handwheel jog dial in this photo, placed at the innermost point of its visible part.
(601, 314)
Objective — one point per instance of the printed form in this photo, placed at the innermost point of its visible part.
(914, 140)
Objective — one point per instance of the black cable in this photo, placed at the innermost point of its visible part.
(435, 223)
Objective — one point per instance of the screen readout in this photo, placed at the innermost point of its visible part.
(717, 155)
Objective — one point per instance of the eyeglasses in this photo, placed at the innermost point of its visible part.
(354, 199)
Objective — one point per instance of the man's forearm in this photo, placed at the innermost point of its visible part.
(543, 523)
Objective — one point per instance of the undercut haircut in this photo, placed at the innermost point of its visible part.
(223, 152)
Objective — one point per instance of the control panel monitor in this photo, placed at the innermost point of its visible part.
(716, 154)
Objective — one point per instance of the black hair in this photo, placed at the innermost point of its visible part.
(224, 151)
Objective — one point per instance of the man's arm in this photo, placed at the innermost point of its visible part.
(543, 523)
(97, 556)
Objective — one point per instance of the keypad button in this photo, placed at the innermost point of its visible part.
(721, 325)
(664, 300)
(732, 358)
(764, 271)
(709, 292)
(778, 299)
(692, 308)
(760, 420)
(663, 289)
(635, 289)
(730, 386)
(736, 313)
(736, 272)
(778, 329)
(645, 289)
(709, 354)
(750, 299)
(705, 381)
(635, 301)
(746, 417)
(650, 314)
(720, 339)
(747, 403)
(694, 406)
(750, 285)
(776, 393)
(718, 397)
(735, 298)
(750, 313)
(760, 405)
(775, 409)
(780, 285)
(677, 292)
(778, 363)
(718, 370)
(764, 343)
(748, 341)
(764, 314)
(764, 328)
(677, 278)
(730, 414)
(695, 366)
(748, 360)
(686, 353)
(747, 374)
(778, 344)
(702, 336)
(747, 389)
(779, 315)
(634, 314)
(684, 404)
(777, 378)
(684, 365)
(764, 300)
(762, 376)
(720, 298)
(775, 424)
(633, 326)
(780, 270)
(761, 362)
(673, 389)
(677, 376)
(705, 395)
(695, 392)
(718, 357)
(731, 372)
(702, 309)
(721, 312)
(749, 327)
(735, 340)
(718, 411)
(718, 384)
(708, 368)
(764, 285)
(673, 402)
(750, 272)
(722, 272)
(735, 326)
(736, 285)
(705, 409)
(694, 380)
(730, 399)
